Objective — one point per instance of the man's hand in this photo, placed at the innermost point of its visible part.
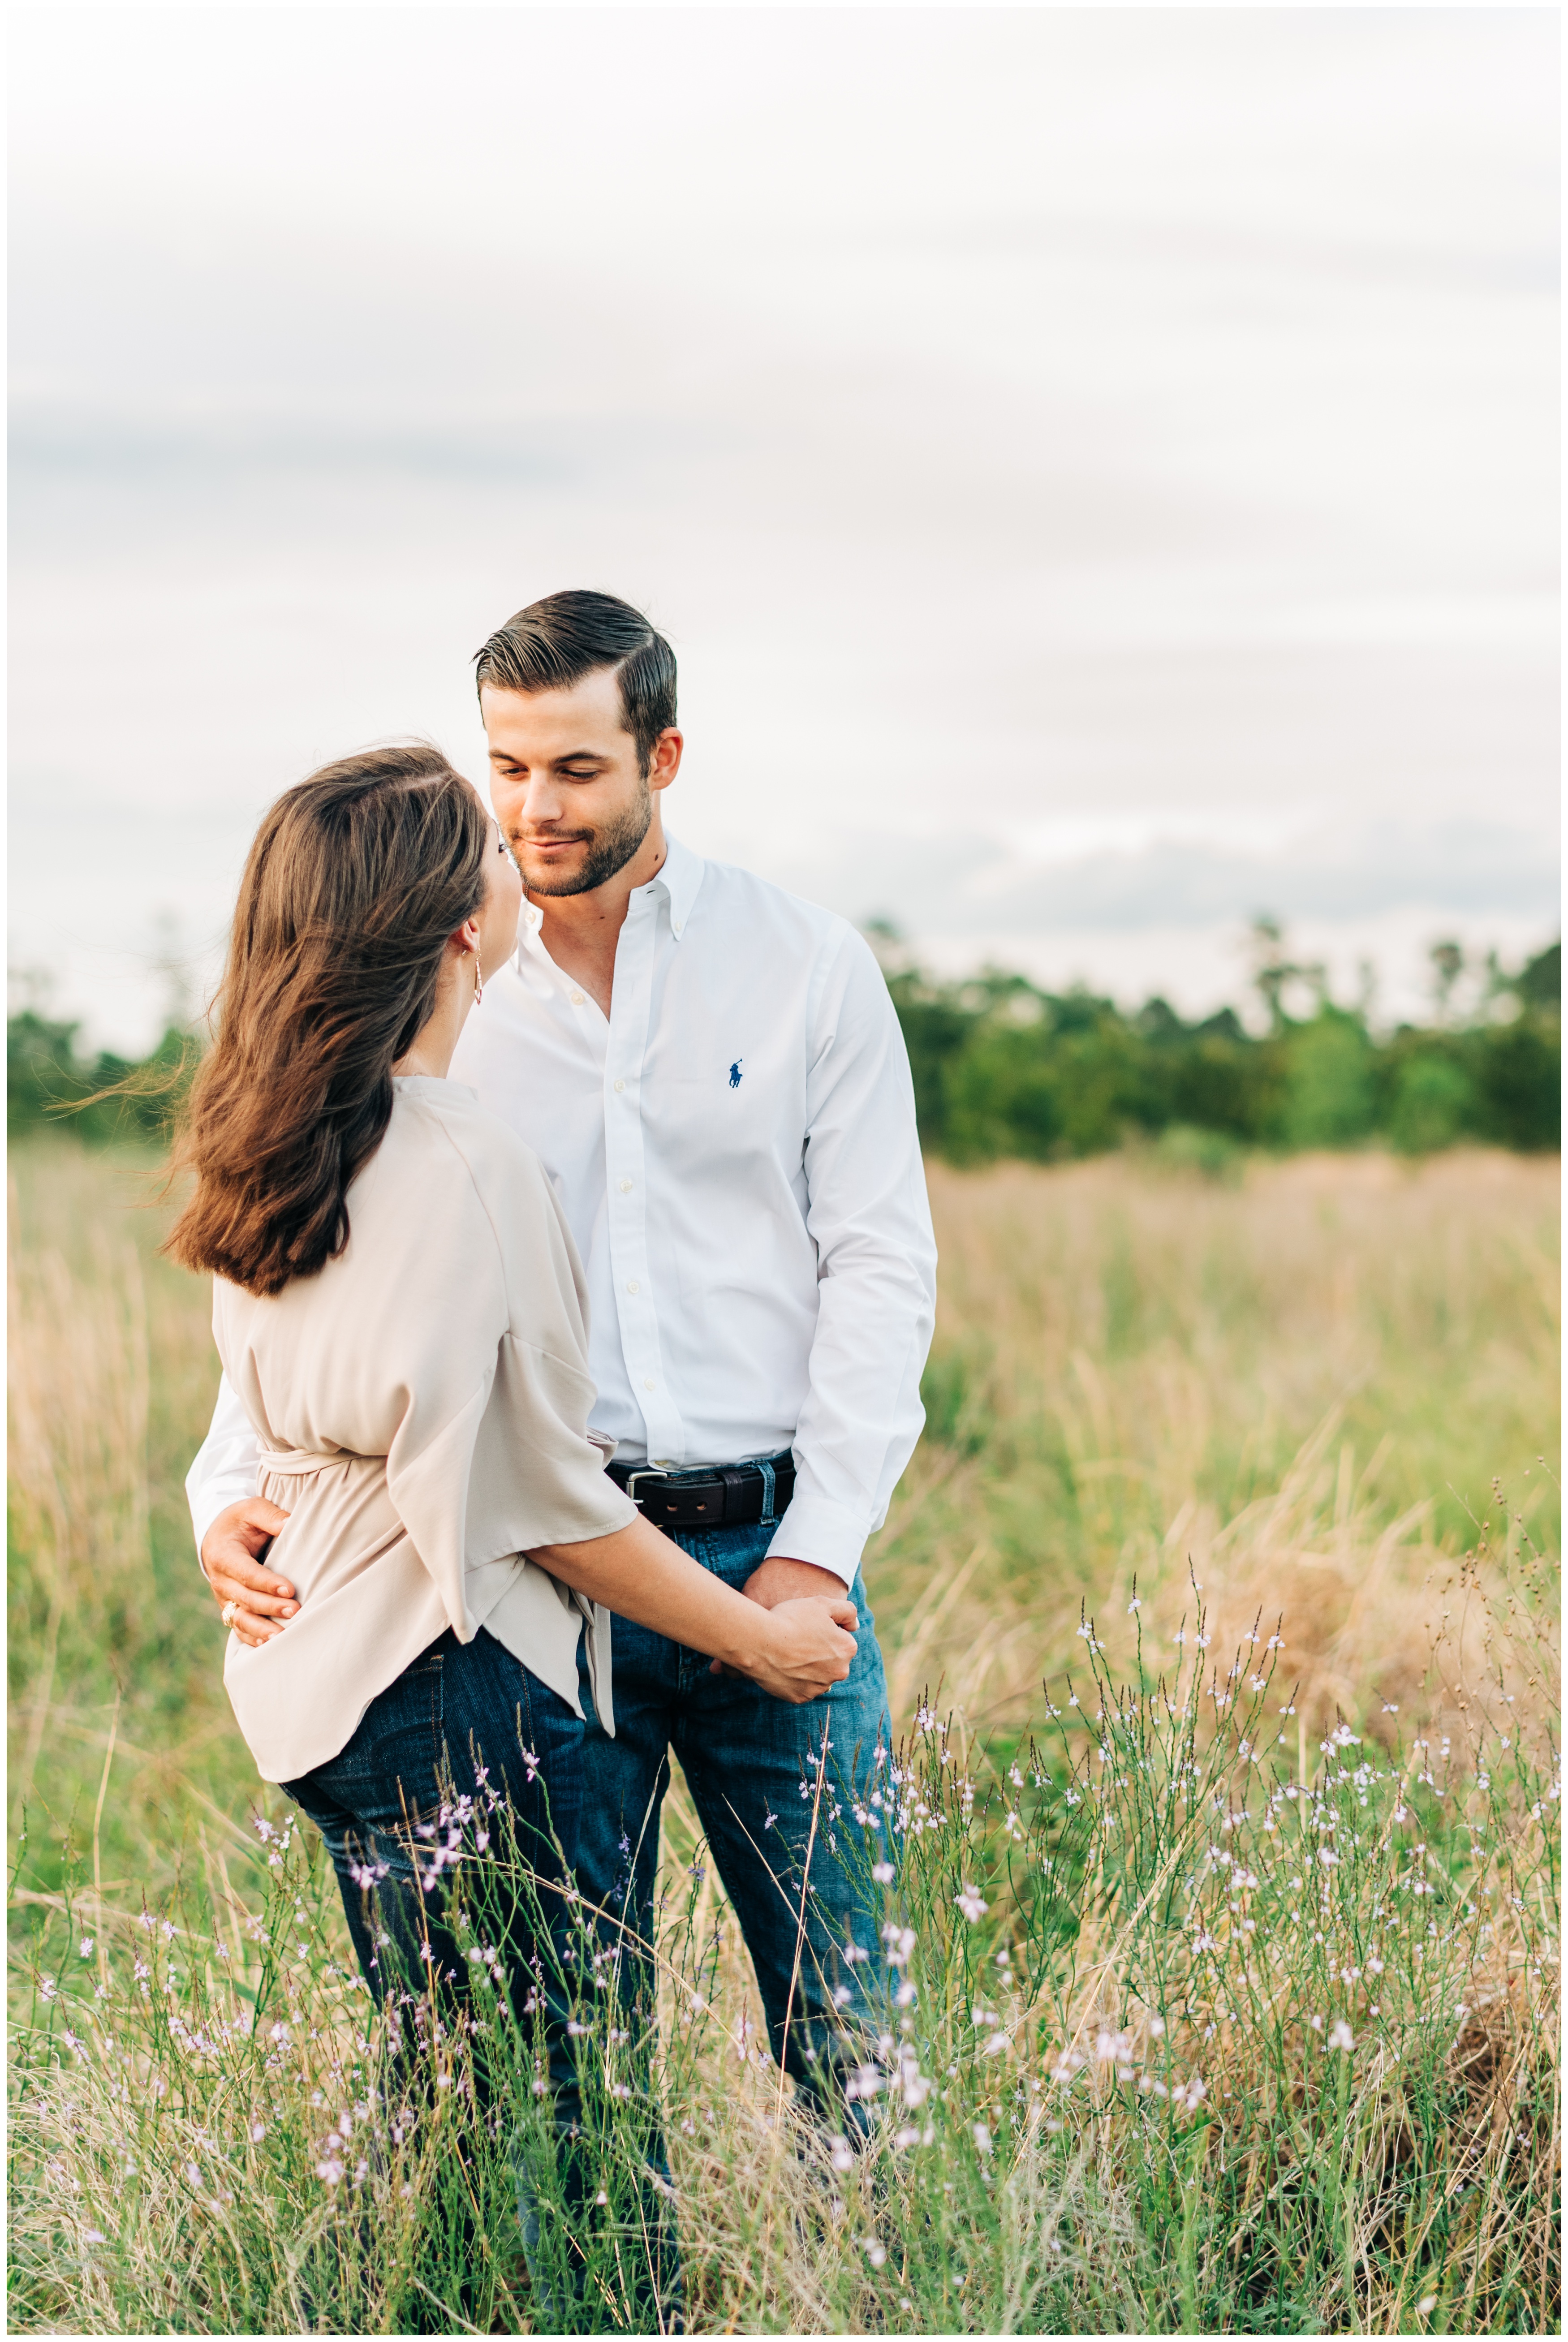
(230, 1557)
(780, 1579)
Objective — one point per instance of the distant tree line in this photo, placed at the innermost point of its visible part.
(1003, 1069)
(99, 1097)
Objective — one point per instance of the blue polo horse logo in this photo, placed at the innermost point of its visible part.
(736, 1073)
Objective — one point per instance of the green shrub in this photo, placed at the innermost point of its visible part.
(1518, 1072)
(1329, 1098)
(1211, 1154)
(1434, 1104)
(101, 1100)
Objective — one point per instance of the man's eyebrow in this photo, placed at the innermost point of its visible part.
(569, 756)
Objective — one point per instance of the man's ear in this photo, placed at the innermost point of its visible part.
(665, 761)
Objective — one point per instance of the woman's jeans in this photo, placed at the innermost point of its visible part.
(465, 1717)
(466, 1720)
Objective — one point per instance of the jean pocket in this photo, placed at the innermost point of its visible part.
(405, 1720)
(423, 1685)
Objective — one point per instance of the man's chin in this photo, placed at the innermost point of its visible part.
(557, 881)
(600, 856)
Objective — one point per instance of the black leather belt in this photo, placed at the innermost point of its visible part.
(713, 1495)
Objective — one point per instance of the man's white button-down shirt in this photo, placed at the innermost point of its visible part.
(735, 1150)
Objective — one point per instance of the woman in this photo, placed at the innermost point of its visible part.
(399, 1304)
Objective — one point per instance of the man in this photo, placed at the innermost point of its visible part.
(715, 1078)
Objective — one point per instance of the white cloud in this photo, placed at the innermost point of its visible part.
(1134, 430)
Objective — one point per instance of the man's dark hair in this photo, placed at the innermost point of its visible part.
(555, 643)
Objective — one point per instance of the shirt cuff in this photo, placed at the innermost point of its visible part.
(814, 1529)
(216, 1494)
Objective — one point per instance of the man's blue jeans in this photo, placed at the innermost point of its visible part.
(751, 1762)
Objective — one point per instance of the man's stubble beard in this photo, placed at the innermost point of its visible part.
(609, 851)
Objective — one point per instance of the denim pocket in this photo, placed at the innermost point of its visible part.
(403, 1727)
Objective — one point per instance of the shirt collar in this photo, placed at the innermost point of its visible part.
(680, 874)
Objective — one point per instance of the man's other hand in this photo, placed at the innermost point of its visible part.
(231, 1552)
(780, 1579)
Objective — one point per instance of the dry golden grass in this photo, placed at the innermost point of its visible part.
(1301, 1388)
(1294, 1390)
(1303, 1383)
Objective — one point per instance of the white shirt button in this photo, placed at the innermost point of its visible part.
(619, 1085)
(576, 1000)
(649, 1383)
(624, 1185)
(632, 1285)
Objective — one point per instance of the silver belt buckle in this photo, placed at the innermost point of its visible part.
(644, 1472)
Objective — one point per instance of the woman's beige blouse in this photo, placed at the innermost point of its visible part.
(421, 1406)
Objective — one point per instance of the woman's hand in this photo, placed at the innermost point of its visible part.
(810, 1647)
(231, 1561)
(796, 1650)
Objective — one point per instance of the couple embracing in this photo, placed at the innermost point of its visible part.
(573, 1276)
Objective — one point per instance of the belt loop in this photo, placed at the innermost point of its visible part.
(769, 1515)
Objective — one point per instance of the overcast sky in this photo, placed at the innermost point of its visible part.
(1097, 467)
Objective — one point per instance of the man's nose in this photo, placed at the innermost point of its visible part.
(543, 802)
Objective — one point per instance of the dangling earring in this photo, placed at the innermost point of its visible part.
(478, 978)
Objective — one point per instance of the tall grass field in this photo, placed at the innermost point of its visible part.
(1219, 1848)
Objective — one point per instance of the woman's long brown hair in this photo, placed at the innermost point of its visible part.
(356, 878)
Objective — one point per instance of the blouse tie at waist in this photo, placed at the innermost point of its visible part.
(298, 1463)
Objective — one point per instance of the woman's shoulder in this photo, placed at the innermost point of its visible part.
(444, 1121)
(508, 1189)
